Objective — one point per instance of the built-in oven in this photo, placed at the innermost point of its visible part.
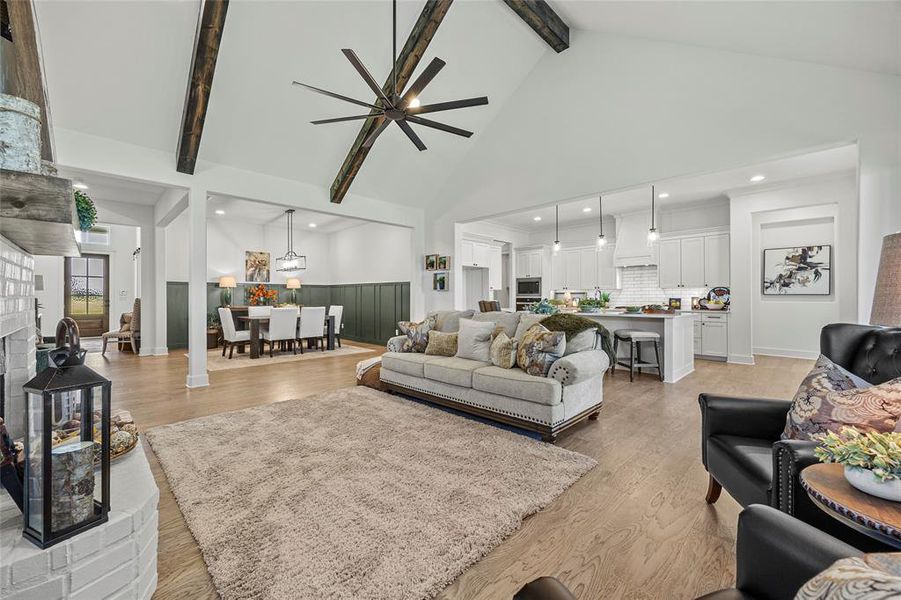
(528, 286)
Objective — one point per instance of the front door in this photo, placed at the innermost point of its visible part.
(87, 293)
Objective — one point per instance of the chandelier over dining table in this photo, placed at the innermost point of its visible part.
(291, 261)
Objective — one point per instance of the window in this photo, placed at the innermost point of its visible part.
(98, 235)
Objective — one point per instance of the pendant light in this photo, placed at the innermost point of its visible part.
(653, 236)
(602, 239)
(556, 229)
(291, 261)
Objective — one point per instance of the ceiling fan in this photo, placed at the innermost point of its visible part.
(402, 109)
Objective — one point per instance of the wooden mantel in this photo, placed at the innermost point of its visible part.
(37, 213)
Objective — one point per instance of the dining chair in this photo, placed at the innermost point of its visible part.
(310, 327)
(282, 327)
(230, 336)
(337, 311)
(258, 311)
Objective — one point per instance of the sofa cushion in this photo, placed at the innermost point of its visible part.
(584, 340)
(525, 323)
(448, 321)
(474, 340)
(452, 370)
(417, 334)
(408, 363)
(503, 351)
(509, 321)
(539, 349)
(743, 465)
(516, 383)
(441, 344)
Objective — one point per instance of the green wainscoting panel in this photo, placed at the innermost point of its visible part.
(371, 310)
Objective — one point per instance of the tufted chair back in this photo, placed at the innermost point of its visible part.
(870, 352)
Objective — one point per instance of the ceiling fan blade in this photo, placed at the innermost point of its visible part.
(338, 96)
(423, 80)
(340, 119)
(439, 106)
(411, 134)
(436, 125)
(376, 133)
(361, 69)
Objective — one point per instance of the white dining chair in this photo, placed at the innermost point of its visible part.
(282, 326)
(310, 328)
(258, 311)
(231, 337)
(337, 311)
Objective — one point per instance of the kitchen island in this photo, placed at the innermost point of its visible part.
(676, 338)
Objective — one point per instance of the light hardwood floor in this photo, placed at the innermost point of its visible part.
(635, 527)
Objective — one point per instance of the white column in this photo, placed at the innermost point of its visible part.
(148, 287)
(197, 373)
(160, 347)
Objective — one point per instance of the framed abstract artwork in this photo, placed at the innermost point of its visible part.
(256, 266)
(797, 271)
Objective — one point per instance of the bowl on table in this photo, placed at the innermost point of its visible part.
(633, 309)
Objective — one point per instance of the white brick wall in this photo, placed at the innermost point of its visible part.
(115, 560)
(17, 326)
(640, 286)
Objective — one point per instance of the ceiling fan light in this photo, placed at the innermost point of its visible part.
(414, 103)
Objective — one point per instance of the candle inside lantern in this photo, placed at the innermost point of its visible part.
(72, 485)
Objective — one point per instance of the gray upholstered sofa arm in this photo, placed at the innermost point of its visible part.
(580, 367)
(396, 343)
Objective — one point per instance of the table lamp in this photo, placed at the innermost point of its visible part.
(227, 283)
(887, 298)
(293, 284)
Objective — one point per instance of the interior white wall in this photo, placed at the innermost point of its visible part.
(752, 319)
(639, 111)
(122, 278)
(369, 253)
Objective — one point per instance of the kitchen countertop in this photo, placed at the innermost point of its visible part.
(634, 315)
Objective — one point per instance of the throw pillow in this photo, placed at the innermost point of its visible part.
(474, 340)
(869, 577)
(448, 321)
(503, 351)
(417, 334)
(441, 344)
(828, 400)
(539, 349)
(508, 321)
(525, 323)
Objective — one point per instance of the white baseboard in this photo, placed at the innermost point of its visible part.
(680, 373)
(164, 351)
(787, 353)
(197, 381)
(741, 359)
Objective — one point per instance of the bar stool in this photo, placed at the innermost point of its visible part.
(635, 339)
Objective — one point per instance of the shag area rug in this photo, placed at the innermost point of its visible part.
(216, 362)
(353, 494)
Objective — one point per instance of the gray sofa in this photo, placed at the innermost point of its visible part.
(572, 391)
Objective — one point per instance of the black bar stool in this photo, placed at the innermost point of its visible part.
(635, 339)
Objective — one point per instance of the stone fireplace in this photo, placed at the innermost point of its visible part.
(17, 331)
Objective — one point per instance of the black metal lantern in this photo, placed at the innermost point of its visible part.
(65, 404)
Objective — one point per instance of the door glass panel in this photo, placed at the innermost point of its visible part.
(95, 267)
(95, 295)
(79, 266)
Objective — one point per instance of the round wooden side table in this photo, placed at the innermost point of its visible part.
(827, 487)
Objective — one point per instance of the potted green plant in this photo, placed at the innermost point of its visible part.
(87, 212)
(212, 330)
(590, 305)
(544, 307)
(872, 460)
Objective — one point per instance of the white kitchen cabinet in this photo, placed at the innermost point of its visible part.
(495, 281)
(716, 260)
(558, 271)
(669, 266)
(698, 338)
(528, 263)
(588, 269)
(714, 335)
(481, 254)
(691, 256)
(573, 268)
(467, 253)
(607, 273)
(535, 259)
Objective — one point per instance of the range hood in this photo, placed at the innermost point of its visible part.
(632, 241)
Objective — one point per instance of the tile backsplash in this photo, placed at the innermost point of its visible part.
(639, 286)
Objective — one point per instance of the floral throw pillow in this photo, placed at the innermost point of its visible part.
(417, 334)
(870, 577)
(539, 349)
(828, 400)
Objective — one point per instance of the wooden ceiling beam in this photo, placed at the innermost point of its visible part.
(29, 76)
(203, 66)
(541, 17)
(412, 52)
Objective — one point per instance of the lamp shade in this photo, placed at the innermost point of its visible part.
(227, 282)
(293, 283)
(887, 298)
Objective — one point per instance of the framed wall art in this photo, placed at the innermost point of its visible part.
(797, 271)
(256, 266)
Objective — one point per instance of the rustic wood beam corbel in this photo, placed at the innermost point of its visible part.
(541, 17)
(200, 84)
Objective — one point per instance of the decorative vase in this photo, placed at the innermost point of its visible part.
(867, 482)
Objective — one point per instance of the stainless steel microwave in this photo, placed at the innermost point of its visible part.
(528, 286)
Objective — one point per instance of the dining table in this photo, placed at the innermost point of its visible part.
(256, 342)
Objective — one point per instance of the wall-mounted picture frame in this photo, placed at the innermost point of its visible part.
(440, 281)
(797, 271)
(443, 263)
(256, 266)
(431, 262)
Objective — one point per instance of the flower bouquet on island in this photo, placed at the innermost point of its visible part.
(260, 295)
(872, 460)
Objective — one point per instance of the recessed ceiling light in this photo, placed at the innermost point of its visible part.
(219, 211)
(586, 209)
(414, 103)
(79, 186)
(312, 225)
(663, 195)
(757, 178)
(536, 218)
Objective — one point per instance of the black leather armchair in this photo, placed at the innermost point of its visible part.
(777, 554)
(740, 437)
